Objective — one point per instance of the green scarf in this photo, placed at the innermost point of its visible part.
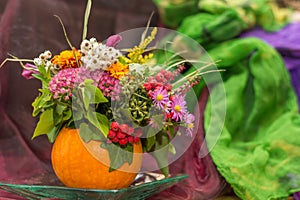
(258, 151)
(218, 20)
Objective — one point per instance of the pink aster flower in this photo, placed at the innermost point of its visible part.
(160, 97)
(63, 82)
(178, 107)
(189, 121)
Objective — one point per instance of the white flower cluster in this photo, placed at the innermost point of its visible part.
(97, 55)
(44, 59)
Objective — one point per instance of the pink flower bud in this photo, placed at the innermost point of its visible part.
(28, 70)
(113, 40)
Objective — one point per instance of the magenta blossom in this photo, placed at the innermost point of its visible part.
(63, 82)
(113, 40)
(109, 86)
(29, 70)
(160, 97)
(178, 107)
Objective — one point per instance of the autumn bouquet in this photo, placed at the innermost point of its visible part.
(120, 97)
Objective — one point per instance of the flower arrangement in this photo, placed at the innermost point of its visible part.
(114, 96)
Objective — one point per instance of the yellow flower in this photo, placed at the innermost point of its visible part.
(137, 54)
(67, 59)
(117, 70)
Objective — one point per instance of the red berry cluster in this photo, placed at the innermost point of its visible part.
(162, 78)
(123, 134)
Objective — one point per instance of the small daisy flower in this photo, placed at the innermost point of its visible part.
(97, 55)
(189, 121)
(160, 97)
(38, 61)
(178, 107)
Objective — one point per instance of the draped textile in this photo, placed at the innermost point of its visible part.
(287, 43)
(258, 150)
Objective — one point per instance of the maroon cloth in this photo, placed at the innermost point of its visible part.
(19, 160)
(22, 33)
(204, 182)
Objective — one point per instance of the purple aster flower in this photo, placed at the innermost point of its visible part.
(160, 97)
(189, 121)
(178, 107)
(29, 70)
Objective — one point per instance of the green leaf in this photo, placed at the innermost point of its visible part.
(172, 149)
(123, 60)
(42, 102)
(160, 152)
(88, 81)
(53, 133)
(77, 116)
(92, 118)
(118, 155)
(42, 69)
(67, 114)
(151, 137)
(88, 133)
(58, 114)
(60, 109)
(103, 124)
(171, 130)
(150, 142)
(86, 98)
(39, 76)
(91, 94)
(158, 121)
(45, 124)
(99, 97)
(95, 93)
(44, 75)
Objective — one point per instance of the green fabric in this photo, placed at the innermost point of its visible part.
(219, 20)
(172, 12)
(209, 29)
(258, 150)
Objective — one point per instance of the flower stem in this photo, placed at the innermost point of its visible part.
(141, 96)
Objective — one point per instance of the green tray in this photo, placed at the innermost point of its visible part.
(142, 191)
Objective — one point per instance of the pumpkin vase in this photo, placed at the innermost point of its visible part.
(86, 165)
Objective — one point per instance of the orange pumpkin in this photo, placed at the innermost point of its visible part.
(86, 165)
